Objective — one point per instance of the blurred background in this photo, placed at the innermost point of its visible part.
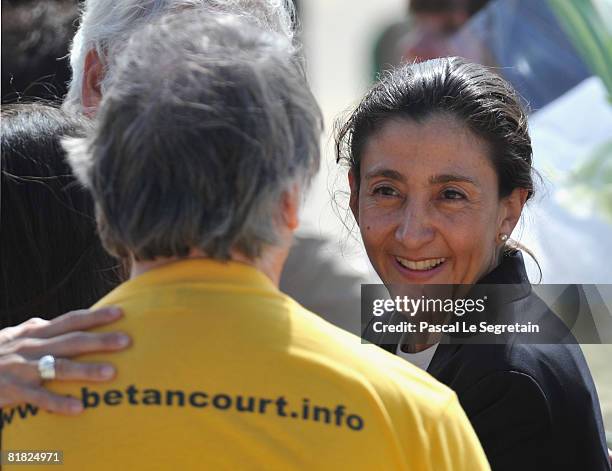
(557, 53)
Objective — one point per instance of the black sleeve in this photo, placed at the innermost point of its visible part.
(511, 416)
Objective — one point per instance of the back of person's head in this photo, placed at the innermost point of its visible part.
(207, 124)
(52, 259)
(36, 35)
(106, 25)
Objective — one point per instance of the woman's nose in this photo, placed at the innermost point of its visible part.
(415, 228)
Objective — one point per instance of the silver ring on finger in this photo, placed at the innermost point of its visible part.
(46, 367)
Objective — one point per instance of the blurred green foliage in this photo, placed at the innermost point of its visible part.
(588, 23)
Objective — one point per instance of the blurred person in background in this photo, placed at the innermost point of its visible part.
(387, 53)
(526, 44)
(198, 174)
(311, 275)
(522, 39)
(424, 33)
(435, 21)
(440, 168)
(36, 35)
(52, 258)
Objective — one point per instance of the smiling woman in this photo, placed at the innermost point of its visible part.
(428, 204)
(440, 167)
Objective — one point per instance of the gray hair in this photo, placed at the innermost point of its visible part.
(207, 122)
(106, 25)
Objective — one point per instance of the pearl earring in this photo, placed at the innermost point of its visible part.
(503, 237)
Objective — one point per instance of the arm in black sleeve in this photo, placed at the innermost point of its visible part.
(511, 416)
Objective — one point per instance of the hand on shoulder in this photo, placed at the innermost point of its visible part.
(22, 346)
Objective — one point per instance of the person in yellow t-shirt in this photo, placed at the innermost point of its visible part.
(207, 136)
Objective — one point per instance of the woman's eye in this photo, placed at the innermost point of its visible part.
(451, 194)
(385, 191)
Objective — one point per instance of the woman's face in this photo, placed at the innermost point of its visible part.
(427, 204)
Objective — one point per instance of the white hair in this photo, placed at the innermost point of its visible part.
(106, 25)
(207, 122)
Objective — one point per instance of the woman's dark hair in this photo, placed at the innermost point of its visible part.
(36, 36)
(484, 102)
(52, 259)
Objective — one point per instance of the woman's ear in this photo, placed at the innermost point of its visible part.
(354, 200)
(91, 93)
(512, 207)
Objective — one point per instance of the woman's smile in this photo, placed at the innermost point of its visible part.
(420, 270)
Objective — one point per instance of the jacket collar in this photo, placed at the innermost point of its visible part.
(510, 271)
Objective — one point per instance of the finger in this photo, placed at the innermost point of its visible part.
(68, 370)
(9, 333)
(40, 397)
(14, 366)
(73, 344)
(83, 319)
(65, 370)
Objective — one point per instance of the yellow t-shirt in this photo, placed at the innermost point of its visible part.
(226, 372)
